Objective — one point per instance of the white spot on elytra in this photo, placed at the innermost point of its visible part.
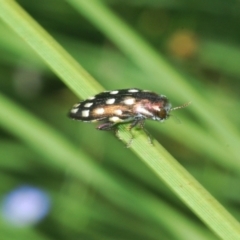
(91, 98)
(74, 110)
(118, 112)
(110, 101)
(99, 110)
(115, 119)
(129, 101)
(133, 90)
(114, 92)
(88, 104)
(85, 113)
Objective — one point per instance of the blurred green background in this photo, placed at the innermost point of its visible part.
(200, 40)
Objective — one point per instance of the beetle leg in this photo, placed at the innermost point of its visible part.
(106, 126)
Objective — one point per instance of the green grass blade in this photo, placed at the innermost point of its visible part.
(48, 49)
(153, 63)
(59, 153)
(161, 162)
(187, 188)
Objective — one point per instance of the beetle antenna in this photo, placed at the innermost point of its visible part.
(182, 106)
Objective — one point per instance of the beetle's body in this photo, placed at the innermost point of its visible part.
(121, 106)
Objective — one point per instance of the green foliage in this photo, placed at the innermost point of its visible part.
(99, 188)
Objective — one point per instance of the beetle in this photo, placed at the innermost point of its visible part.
(130, 105)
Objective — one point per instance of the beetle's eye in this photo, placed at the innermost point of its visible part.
(163, 114)
(164, 109)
